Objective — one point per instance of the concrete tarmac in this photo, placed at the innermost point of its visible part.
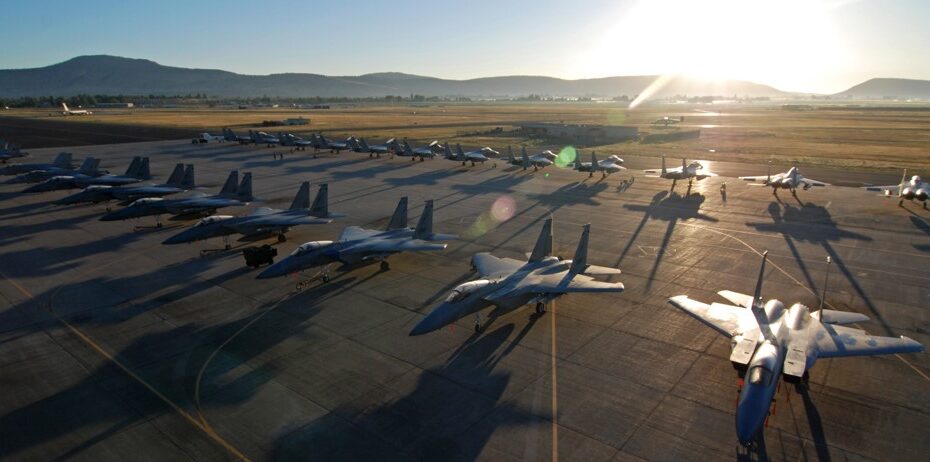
(115, 347)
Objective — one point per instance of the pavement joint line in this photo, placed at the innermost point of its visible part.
(109, 357)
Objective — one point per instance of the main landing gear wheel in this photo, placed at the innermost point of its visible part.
(385, 266)
(281, 238)
(540, 307)
(325, 278)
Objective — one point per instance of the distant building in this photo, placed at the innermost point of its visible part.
(115, 105)
(582, 134)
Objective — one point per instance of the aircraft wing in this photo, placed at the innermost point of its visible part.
(393, 245)
(838, 341)
(262, 211)
(893, 188)
(737, 298)
(841, 317)
(352, 233)
(273, 220)
(755, 178)
(487, 264)
(727, 319)
(810, 182)
(581, 285)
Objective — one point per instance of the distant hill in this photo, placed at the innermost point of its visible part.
(112, 75)
(896, 88)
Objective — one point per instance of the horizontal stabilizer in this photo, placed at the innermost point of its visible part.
(841, 317)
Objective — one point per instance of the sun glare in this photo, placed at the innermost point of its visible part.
(786, 44)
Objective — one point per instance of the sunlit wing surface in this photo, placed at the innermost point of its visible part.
(841, 317)
(351, 233)
(726, 319)
(737, 298)
(811, 182)
(838, 341)
(487, 264)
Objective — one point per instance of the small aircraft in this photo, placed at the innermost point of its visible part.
(89, 167)
(11, 151)
(138, 171)
(294, 141)
(181, 179)
(73, 112)
(909, 188)
(263, 138)
(612, 164)
(230, 135)
(790, 180)
(770, 341)
(206, 138)
(690, 172)
(358, 245)
(334, 146)
(541, 160)
(263, 220)
(666, 121)
(477, 156)
(389, 147)
(509, 284)
(422, 152)
(231, 195)
(62, 161)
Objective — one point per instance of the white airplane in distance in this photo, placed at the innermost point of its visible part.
(909, 188)
(70, 112)
(791, 180)
(690, 172)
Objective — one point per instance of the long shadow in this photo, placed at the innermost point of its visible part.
(450, 414)
(647, 210)
(46, 261)
(325, 166)
(815, 423)
(671, 208)
(426, 178)
(499, 184)
(580, 193)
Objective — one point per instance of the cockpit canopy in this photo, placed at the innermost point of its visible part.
(759, 375)
(916, 179)
(212, 219)
(310, 247)
(463, 290)
(146, 200)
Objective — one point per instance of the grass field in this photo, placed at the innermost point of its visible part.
(859, 138)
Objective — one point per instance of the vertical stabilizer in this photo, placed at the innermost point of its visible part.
(89, 165)
(134, 166)
(231, 185)
(245, 188)
(177, 176)
(364, 145)
(664, 170)
(525, 158)
(510, 156)
(144, 172)
(593, 161)
(302, 199)
(188, 181)
(320, 207)
(543, 246)
(757, 293)
(63, 160)
(580, 261)
(903, 182)
(399, 219)
(424, 227)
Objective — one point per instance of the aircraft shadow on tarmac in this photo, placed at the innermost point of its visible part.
(450, 414)
(670, 207)
(813, 223)
(431, 177)
(499, 184)
(580, 193)
(322, 166)
(169, 361)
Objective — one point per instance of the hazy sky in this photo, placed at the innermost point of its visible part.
(795, 45)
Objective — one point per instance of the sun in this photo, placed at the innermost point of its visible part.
(786, 44)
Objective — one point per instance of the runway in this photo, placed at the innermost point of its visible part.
(115, 347)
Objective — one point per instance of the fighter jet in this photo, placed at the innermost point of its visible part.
(320, 142)
(230, 195)
(357, 245)
(790, 180)
(422, 152)
(770, 340)
(10, 151)
(263, 138)
(63, 161)
(477, 156)
(181, 179)
(509, 284)
(910, 189)
(291, 140)
(138, 170)
(607, 166)
(207, 137)
(691, 172)
(541, 160)
(389, 146)
(263, 220)
(230, 135)
(88, 167)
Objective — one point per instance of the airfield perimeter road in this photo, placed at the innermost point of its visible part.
(115, 347)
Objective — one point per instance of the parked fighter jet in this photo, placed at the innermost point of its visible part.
(181, 179)
(10, 151)
(690, 172)
(541, 160)
(230, 135)
(357, 245)
(207, 137)
(910, 189)
(320, 142)
(263, 220)
(138, 170)
(88, 167)
(63, 161)
(389, 146)
(263, 138)
(477, 156)
(509, 284)
(422, 152)
(790, 180)
(770, 340)
(230, 195)
(291, 140)
(607, 166)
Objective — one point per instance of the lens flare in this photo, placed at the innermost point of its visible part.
(566, 156)
(502, 210)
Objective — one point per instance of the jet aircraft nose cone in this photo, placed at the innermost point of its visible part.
(440, 317)
(180, 238)
(278, 269)
(750, 416)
